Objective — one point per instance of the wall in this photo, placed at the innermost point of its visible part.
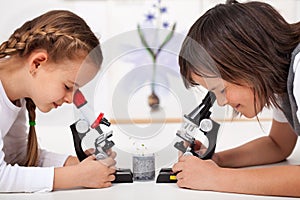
(110, 20)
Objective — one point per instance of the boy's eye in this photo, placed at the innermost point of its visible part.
(67, 87)
(194, 83)
(223, 91)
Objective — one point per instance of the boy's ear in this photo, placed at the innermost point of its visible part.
(36, 59)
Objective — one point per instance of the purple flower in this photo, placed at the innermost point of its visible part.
(165, 24)
(163, 9)
(150, 17)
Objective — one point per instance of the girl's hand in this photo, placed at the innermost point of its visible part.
(194, 173)
(94, 173)
(110, 160)
(71, 160)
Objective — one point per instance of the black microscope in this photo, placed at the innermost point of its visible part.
(88, 124)
(198, 118)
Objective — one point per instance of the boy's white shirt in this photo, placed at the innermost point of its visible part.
(277, 113)
(13, 145)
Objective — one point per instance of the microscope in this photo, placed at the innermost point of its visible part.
(89, 125)
(200, 119)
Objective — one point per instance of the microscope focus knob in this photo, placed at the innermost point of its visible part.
(82, 126)
(206, 125)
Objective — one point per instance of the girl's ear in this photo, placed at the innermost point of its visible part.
(36, 59)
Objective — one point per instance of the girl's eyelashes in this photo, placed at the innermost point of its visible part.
(67, 88)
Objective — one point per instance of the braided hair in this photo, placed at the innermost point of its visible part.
(64, 35)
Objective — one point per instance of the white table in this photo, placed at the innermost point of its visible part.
(233, 134)
(137, 190)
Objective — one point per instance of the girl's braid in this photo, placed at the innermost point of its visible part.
(22, 43)
(32, 144)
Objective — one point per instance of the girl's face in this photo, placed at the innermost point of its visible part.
(240, 98)
(54, 84)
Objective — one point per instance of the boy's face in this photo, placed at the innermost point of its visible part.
(54, 84)
(240, 98)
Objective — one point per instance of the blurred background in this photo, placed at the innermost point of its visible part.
(110, 20)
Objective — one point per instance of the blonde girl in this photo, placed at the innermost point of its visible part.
(39, 65)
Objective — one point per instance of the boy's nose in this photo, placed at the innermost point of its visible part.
(221, 100)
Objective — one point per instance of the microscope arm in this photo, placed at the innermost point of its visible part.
(77, 143)
(212, 139)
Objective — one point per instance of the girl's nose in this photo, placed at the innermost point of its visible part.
(69, 97)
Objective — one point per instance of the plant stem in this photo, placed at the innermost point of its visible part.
(153, 76)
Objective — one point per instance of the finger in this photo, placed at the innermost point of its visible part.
(89, 151)
(111, 177)
(91, 157)
(186, 144)
(179, 176)
(108, 162)
(181, 183)
(113, 154)
(183, 158)
(106, 184)
(177, 167)
(111, 170)
(179, 154)
(202, 151)
(109, 151)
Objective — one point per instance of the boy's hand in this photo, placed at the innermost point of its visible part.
(195, 173)
(199, 148)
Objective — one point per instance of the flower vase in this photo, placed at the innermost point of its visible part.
(153, 99)
(160, 42)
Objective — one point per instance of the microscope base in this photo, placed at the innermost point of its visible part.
(166, 175)
(123, 176)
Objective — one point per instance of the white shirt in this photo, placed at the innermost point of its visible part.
(13, 145)
(277, 113)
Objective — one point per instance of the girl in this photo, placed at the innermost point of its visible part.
(248, 55)
(38, 68)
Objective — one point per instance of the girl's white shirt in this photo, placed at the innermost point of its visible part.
(278, 114)
(13, 145)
